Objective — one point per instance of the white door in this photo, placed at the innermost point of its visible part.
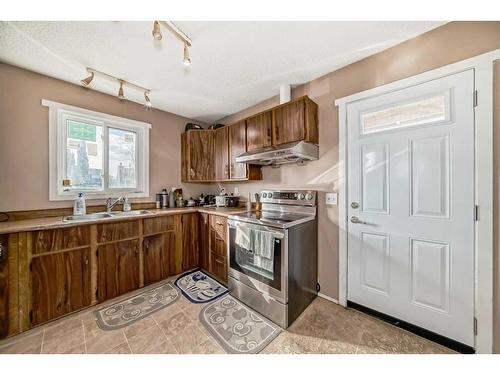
(411, 205)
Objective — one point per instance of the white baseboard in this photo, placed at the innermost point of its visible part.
(328, 298)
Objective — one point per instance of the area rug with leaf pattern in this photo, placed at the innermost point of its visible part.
(237, 328)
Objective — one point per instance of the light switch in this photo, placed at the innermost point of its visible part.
(331, 199)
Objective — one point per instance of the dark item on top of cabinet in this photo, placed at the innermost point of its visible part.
(191, 126)
(216, 126)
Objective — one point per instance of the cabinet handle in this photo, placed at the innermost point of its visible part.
(218, 261)
(226, 171)
(86, 260)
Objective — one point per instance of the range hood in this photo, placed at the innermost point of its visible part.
(296, 152)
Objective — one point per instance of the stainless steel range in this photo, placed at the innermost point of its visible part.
(273, 255)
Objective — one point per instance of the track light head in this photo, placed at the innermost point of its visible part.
(120, 92)
(157, 31)
(148, 101)
(187, 60)
(85, 82)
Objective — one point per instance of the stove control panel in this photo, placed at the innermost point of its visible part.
(295, 197)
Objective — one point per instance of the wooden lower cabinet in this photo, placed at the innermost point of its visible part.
(118, 268)
(157, 250)
(190, 241)
(60, 284)
(4, 287)
(217, 248)
(218, 266)
(204, 227)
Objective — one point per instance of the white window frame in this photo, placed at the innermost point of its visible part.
(58, 113)
(483, 84)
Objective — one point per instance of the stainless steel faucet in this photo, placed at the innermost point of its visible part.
(110, 204)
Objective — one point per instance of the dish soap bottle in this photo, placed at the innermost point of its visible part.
(126, 205)
(79, 207)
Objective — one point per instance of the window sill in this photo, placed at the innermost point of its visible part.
(92, 196)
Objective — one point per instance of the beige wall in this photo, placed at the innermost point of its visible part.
(447, 44)
(24, 183)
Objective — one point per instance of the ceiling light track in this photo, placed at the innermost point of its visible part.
(93, 73)
(170, 26)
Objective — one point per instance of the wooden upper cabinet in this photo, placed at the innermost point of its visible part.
(221, 153)
(60, 284)
(295, 121)
(237, 146)
(259, 129)
(199, 151)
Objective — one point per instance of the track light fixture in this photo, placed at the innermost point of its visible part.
(157, 30)
(176, 32)
(122, 82)
(187, 60)
(120, 92)
(86, 81)
(148, 101)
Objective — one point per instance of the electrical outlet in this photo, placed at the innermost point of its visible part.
(331, 199)
(236, 191)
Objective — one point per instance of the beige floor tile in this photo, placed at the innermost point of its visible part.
(31, 344)
(63, 337)
(188, 339)
(151, 341)
(123, 348)
(174, 324)
(209, 346)
(283, 344)
(192, 310)
(139, 327)
(104, 341)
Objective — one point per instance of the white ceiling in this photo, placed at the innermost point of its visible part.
(234, 64)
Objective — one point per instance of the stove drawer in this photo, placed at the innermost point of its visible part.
(218, 266)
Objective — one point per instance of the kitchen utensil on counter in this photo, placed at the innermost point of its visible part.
(164, 198)
(220, 200)
(232, 201)
(158, 200)
(249, 202)
(258, 205)
(191, 202)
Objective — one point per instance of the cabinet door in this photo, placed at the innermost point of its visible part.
(289, 123)
(118, 268)
(221, 154)
(190, 242)
(157, 256)
(204, 241)
(218, 267)
(4, 287)
(60, 284)
(201, 150)
(184, 158)
(259, 131)
(237, 146)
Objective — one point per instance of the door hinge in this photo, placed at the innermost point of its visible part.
(476, 213)
(475, 326)
(474, 99)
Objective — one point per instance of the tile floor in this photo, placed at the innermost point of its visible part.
(323, 327)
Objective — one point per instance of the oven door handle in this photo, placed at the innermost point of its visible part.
(262, 228)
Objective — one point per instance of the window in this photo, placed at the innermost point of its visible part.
(422, 111)
(96, 153)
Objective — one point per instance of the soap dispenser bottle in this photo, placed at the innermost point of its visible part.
(79, 207)
(126, 205)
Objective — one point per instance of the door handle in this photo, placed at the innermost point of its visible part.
(355, 220)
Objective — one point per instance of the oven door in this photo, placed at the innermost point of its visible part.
(244, 268)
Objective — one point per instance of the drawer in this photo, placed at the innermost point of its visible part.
(218, 266)
(44, 241)
(117, 231)
(218, 224)
(218, 244)
(158, 224)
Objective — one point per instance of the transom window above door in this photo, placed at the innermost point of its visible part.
(433, 109)
(96, 153)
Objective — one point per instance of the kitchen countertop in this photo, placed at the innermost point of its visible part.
(56, 221)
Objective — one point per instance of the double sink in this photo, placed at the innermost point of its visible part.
(104, 215)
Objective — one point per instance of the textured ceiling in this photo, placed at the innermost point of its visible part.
(234, 64)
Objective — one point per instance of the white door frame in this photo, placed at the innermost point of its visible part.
(483, 117)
